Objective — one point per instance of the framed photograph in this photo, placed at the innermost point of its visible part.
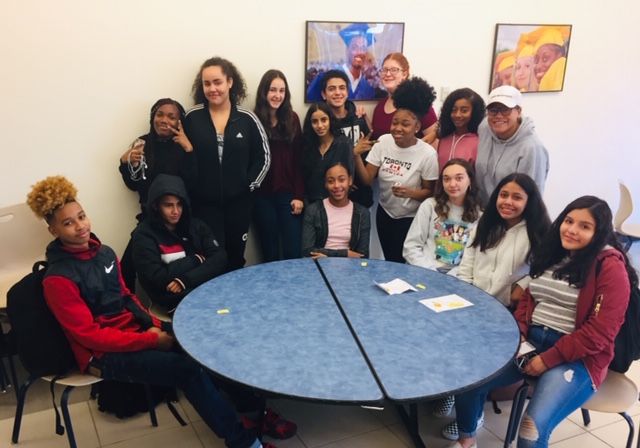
(532, 58)
(356, 48)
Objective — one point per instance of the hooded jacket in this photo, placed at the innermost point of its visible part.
(602, 303)
(85, 292)
(523, 153)
(189, 254)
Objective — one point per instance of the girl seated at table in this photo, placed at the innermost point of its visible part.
(324, 145)
(440, 230)
(496, 257)
(571, 313)
(336, 226)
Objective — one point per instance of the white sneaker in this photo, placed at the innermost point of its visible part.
(442, 407)
(457, 445)
(450, 431)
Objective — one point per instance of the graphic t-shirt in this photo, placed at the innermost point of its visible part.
(408, 166)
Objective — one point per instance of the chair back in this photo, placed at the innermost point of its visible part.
(23, 239)
(624, 209)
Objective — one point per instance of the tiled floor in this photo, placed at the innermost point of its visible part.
(318, 425)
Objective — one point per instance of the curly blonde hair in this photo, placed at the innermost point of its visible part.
(50, 194)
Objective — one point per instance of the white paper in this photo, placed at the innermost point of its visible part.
(446, 303)
(396, 286)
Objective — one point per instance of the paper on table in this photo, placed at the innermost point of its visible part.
(396, 286)
(446, 303)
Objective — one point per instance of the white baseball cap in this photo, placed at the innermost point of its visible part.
(507, 95)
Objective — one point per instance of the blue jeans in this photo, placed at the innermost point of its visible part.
(275, 223)
(173, 369)
(558, 392)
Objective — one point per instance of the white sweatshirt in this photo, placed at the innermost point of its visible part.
(498, 268)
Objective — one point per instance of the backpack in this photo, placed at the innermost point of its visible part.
(127, 399)
(42, 346)
(627, 342)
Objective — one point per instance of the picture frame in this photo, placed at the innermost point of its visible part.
(531, 57)
(353, 47)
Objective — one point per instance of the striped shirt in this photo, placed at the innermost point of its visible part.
(556, 302)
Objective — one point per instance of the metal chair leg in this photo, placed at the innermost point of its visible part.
(517, 407)
(152, 408)
(64, 404)
(22, 395)
(586, 418)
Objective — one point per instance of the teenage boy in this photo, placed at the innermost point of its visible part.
(172, 252)
(112, 336)
(334, 87)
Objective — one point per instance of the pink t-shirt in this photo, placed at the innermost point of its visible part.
(382, 120)
(339, 222)
(454, 147)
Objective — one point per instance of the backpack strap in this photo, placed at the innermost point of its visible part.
(59, 427)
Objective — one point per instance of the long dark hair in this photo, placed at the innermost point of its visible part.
(577, 269)
(238, 91)
(472, 204)
(151, 139)
(310, 136)
(492, 227)
(285, 129)
(445, 124)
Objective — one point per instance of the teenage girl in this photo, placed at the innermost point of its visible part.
(440, 230)
(496, 258)
(571, 313)
(406, 166)
(232, 152)
(279, 200)
(324, 145)
(395, 70)
(336, 226)
(461, 114)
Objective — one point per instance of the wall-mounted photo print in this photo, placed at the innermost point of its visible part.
(532, 58)
(357, 48)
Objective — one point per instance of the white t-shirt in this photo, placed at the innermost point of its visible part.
(339, 223)
(409, 166)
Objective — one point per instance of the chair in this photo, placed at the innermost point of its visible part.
(631, 231)
(156, 310)
(617, 393)
(71, 381)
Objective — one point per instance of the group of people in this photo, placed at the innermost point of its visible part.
(461, 194)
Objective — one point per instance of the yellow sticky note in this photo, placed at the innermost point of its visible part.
(421, 286)
(363, 264)
(223, 311)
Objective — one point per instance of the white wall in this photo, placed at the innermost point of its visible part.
(79, 76)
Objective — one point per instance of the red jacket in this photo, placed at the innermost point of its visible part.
(94, 333)
(602, 303)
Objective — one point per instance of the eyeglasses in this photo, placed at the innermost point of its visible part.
(504, 111)
(392, 70)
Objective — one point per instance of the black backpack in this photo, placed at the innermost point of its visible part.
(127, 399)
(42, 346)
(627, 342)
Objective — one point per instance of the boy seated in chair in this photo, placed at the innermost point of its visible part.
(173, 252)
(111, 334)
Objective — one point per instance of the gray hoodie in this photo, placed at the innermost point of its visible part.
(524, 153)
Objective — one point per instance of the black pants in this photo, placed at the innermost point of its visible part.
(392, 233)
(230, 225)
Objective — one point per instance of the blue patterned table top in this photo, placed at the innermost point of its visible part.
(284, 333)
(416, 352)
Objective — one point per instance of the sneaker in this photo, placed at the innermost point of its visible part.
(451, 430)
(457, 445)
(443, 406)
(276, 427)
(268, 445)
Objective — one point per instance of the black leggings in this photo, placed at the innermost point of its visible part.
(392, 233)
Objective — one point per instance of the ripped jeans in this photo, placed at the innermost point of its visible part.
(558, 392)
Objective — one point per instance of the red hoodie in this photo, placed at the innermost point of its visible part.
(94, 335)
